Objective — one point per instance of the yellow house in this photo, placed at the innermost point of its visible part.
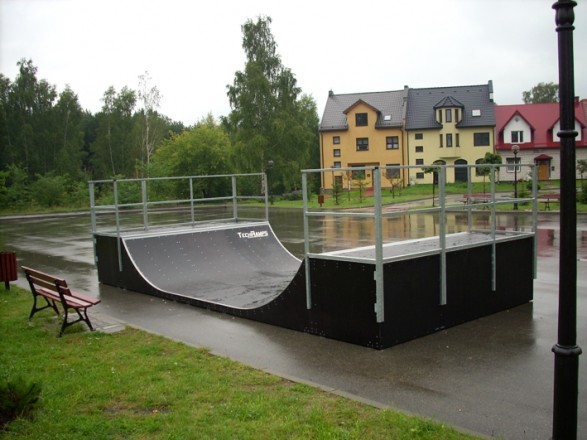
(362, 129)
(449, 126)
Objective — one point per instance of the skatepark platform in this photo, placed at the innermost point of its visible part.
(242, 269)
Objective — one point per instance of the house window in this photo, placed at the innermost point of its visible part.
(517, 136)
(336, 165)
(419, 149)
(441, 141)
(449, 140)
(458, 140)
(336, 152)
(338, 181)
(448, 115)
(419, 136)
(419, 161)
(361, 119)
(392, 142)
(440, 116)
(513, 164)
(392, 173)
(419, 175)
(362, 144)
(481, 139)
(456, 116)
(336, 140)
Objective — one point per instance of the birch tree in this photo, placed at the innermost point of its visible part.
(151, 98)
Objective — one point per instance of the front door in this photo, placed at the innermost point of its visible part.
(543, 169)
(461, 173)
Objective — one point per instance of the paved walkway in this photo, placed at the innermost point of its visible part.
(492, 376)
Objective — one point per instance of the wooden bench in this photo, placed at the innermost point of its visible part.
(54, 291)
(469, 199)
(546, 198)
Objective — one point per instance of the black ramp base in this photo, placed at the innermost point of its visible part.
(243, 270)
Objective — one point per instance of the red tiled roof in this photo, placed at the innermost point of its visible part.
(541, 118)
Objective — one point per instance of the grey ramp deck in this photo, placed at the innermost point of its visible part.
(409, 249)
(243, 267)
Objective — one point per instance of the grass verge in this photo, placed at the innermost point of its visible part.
(135, 385)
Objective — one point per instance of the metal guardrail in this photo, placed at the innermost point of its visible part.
(443, 207)
(147, 203)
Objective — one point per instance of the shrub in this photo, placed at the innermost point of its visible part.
(18, 398)
(529, 186)
(50, 190)
(583, 194)
(294, 195)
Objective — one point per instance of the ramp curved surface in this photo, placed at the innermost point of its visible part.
(243, 267)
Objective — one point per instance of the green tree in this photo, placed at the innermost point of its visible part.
(7, 152)
(481, 169)
(200, 151)
(434, 171)
(582, 169)
(29, 120)
(493, 159)
(541, 93)
(69, 132)
(50, 190)
(14, 188)
(269, 120)
(116, 150)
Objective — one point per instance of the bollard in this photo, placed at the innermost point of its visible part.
(8, 268)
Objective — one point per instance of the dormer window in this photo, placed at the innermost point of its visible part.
(517, 137)
(448, 115)
(361, 119)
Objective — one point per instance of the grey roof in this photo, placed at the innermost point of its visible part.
(422, 102)
(390, 104)
(449, 101)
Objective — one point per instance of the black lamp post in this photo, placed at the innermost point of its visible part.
(515, 150)
(566, 351)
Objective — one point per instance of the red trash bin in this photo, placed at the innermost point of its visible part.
(8, 268)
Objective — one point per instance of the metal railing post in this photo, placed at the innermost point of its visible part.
(442, 232)
(266, 190)
(93, 206)
(192, 212)
(493, 234)
(535, 217)
(144, 203)
(117, 215)
(306, 241)
(235, 199)
(378, 275)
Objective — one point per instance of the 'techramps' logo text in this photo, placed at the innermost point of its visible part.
(253, 234)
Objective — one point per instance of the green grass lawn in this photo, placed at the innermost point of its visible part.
(136, 385)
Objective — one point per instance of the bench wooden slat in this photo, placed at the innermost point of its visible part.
(56, 291)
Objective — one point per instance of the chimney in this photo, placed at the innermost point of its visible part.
(330, 93)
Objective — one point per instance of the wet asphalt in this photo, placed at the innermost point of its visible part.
(492, 376)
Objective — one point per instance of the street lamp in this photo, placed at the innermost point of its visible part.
(515, 150)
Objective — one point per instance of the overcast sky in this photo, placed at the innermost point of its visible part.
(192, 49)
